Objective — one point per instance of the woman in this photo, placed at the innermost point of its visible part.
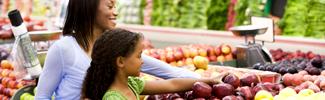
(69, 58)
(119, 70)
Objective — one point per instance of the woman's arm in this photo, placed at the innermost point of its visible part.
(176, 84)
(51, 75)
(163, 70)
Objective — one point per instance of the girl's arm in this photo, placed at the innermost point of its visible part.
(163, 70)
(176, 84)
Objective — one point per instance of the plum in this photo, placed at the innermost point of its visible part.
(257, 66)
(292, 70)
(317, 62)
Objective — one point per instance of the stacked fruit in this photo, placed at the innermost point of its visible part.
(279, 54)
(303, 80)
(9, 84)
(313, 66)
(290, 94)
(232, 88)
(184, 55)
(32, 25)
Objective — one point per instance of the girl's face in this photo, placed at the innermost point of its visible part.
(133, 62)
(106, 15)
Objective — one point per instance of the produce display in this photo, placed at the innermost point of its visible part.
(288, 62)
(304, 18)
(232, 88)
(9, 83)
(177, 13)
(31, 24)
(279, 54)
(192, 54)
(216, 14)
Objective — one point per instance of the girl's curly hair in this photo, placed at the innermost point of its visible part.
(103, 68)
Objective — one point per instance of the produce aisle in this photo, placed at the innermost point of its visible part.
(201, 37)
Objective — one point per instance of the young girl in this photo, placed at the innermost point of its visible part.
(115, 65)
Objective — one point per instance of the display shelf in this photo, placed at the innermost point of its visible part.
(190, 36)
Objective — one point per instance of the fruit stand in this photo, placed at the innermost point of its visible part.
(196, 36)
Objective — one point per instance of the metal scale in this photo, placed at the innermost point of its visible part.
(251, 52)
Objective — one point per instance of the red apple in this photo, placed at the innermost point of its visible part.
(1, 89)
(5, 81)
(287, 79)
(212, 58)
(201, 90)
(178, 55)
(170, 57)
(249, 80)
(210, 51)
(246, 92)
(229, 57)
(297, 79)
(223, 89)
(12, 84)
(232, 79)
(217, 51)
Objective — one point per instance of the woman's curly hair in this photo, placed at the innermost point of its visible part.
(103, 68)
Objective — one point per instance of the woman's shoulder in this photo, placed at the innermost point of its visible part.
(113, 95)
(65, 42)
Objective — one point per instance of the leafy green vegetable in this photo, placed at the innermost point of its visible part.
(217, 14)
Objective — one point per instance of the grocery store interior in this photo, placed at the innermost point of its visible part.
(270, 49)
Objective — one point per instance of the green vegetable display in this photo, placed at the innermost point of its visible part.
(217, 14)
(304, 18)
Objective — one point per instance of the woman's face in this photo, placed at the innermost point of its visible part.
(134, 61)
(106, 15)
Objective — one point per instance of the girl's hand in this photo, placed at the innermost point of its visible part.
(218, 79)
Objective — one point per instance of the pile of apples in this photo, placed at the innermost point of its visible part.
(9, 85)
(279, 54)
(31, 24)
(185, 55)
(231, 88)
(303, 80)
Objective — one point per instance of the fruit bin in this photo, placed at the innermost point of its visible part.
(24, 93)
(264, 76)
